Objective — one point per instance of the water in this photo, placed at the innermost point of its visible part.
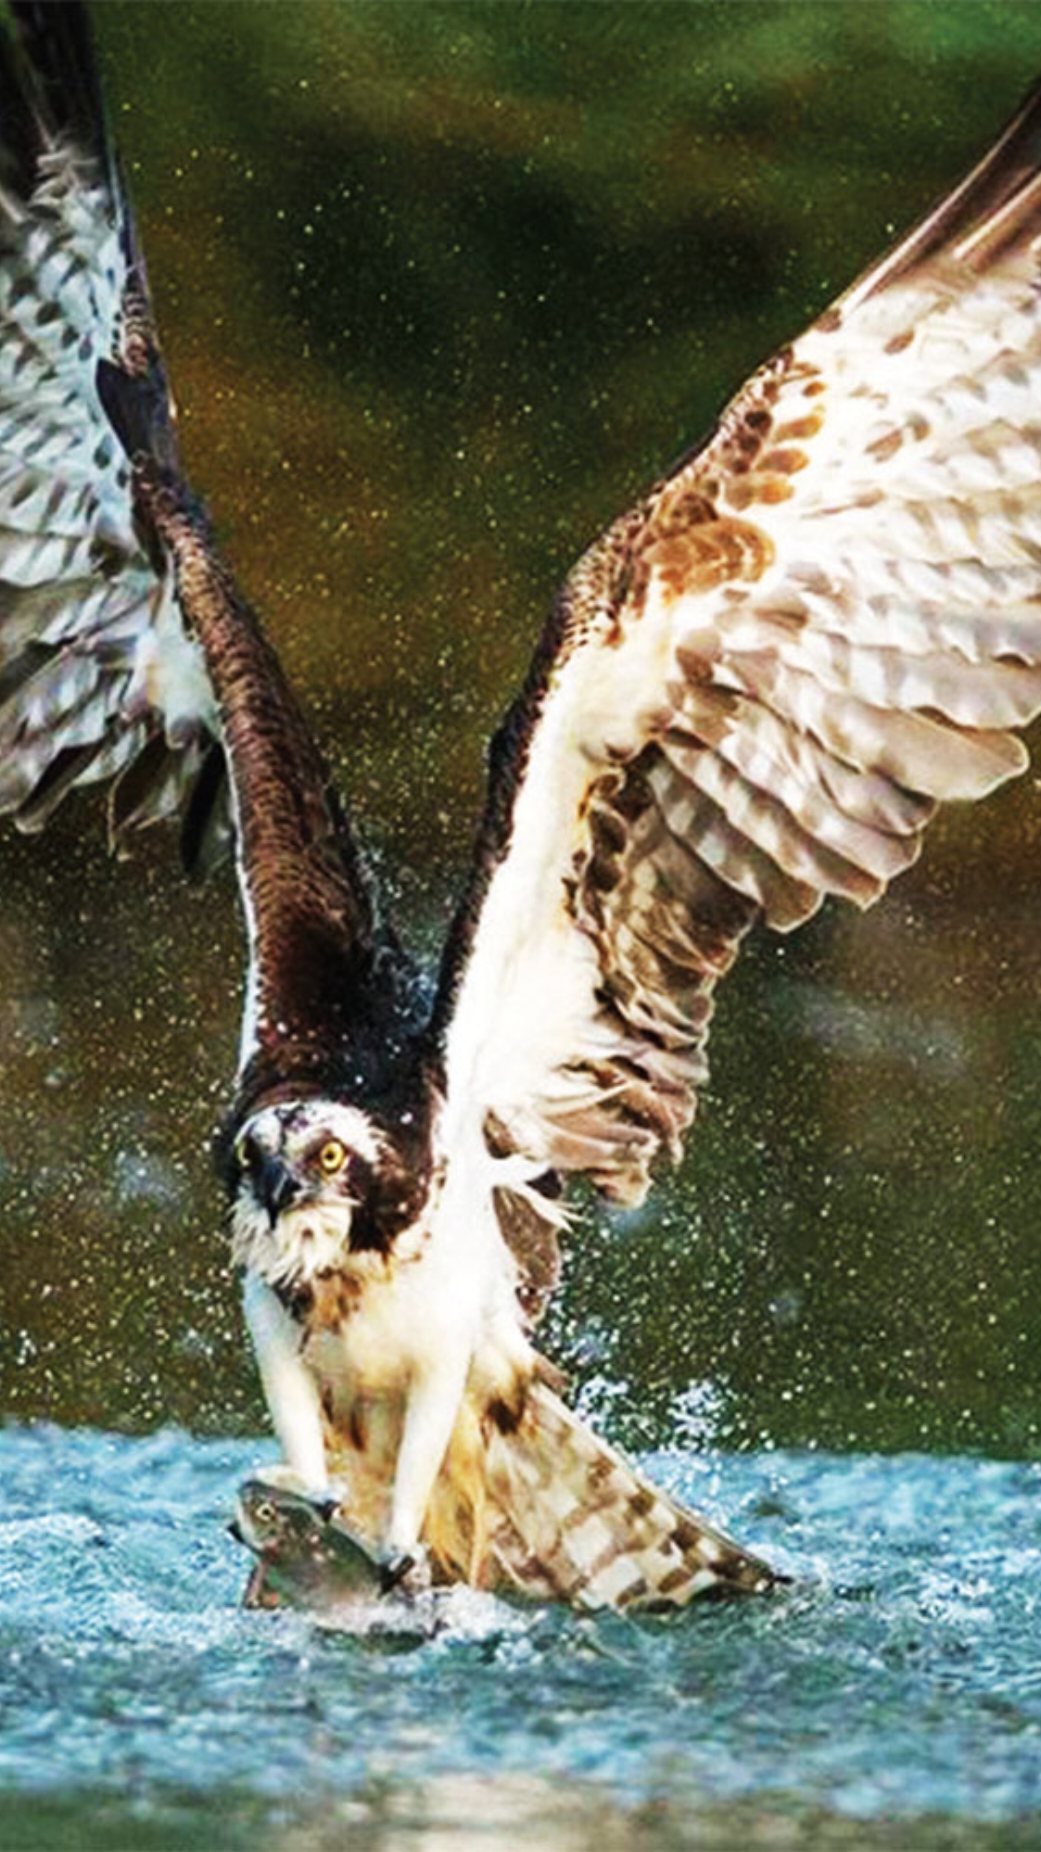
(891, 1697)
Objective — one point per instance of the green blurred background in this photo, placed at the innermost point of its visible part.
(442, 288)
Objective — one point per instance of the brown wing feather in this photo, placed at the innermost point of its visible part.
(759, 685)
(328, 989)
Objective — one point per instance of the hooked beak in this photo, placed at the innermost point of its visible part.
(273, 1183)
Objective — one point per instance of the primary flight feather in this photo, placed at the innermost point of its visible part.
(752, 693)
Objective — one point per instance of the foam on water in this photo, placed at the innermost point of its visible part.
(893, 1691)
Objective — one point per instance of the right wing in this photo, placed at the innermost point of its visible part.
(99, 677)
(126, 652)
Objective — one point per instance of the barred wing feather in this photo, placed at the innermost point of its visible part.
(97, 673)
(126, 650)
(756, 688)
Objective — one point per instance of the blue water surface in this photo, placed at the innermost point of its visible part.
(890, 1697)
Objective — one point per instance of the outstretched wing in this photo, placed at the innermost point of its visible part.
(757, 686)
(125, 648)
(97, 673)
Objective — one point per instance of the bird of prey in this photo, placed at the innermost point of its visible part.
(752, 693)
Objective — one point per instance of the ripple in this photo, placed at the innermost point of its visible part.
(895, 1682)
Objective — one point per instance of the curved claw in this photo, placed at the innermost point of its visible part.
(406, 1572)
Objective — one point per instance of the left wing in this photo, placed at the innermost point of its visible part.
(755, 689)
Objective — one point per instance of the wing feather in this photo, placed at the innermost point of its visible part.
(81, 388)
(758, 687)
(126, 652)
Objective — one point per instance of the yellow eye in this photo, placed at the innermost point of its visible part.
(332, 1157)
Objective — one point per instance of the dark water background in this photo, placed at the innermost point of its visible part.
(442, 287)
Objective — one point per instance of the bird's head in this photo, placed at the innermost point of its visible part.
(308, 1182)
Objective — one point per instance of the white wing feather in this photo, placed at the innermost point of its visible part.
(95, 662)
(759, 685)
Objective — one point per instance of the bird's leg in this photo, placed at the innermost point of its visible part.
(431, 1409)
(289, 1387)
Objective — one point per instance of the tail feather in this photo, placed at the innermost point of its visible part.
(593, 1528)
(550, 1511)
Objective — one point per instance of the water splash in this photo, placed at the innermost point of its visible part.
(893, 1691)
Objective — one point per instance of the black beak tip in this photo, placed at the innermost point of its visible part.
(273, 1183)
(234, 1529)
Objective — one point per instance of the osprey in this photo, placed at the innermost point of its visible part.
(753, 692)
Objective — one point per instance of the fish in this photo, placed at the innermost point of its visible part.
(307, 1556)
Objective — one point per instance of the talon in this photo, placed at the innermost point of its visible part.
(394, 1571)
(407, 1572)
